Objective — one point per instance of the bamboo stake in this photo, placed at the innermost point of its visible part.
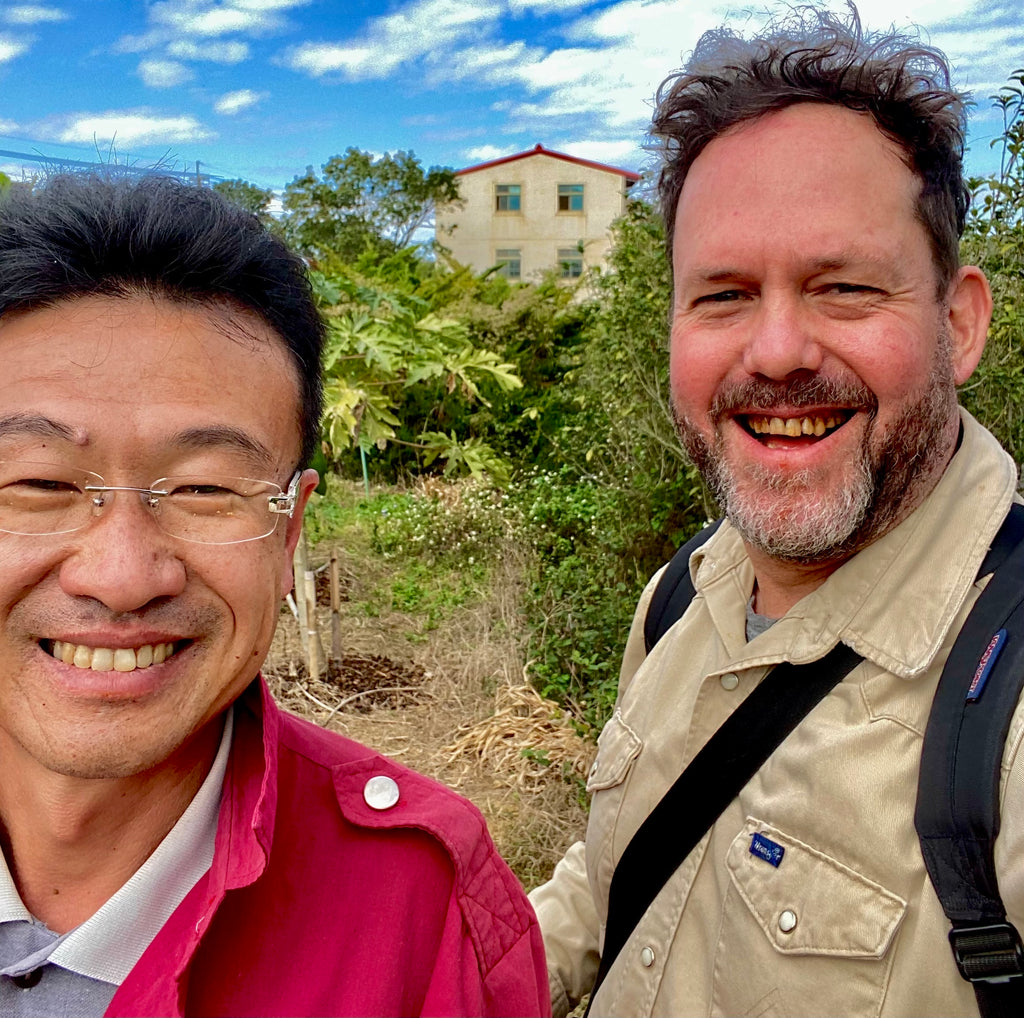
(300, 564)
(335, 610)
(312, 637)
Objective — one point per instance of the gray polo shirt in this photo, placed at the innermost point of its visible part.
(77, 973)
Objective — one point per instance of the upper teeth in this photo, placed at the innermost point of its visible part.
(105, 659)
(794, 427)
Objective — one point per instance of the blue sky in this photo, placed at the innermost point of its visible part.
(260, 89)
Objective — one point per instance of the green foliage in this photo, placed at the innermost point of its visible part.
(359, 203)
(623, 495)
(250, 197)
(381, 346)
(994, 239)
(427, 358)
(465, 528)
(5, 183)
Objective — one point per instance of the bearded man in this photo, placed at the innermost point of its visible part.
(813, 192)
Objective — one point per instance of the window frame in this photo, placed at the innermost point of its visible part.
(570, 192)
(505, 258)
(505, 192)
(569, 258)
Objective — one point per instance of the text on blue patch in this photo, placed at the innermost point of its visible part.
(765, 848)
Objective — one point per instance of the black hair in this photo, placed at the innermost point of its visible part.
(80, 235)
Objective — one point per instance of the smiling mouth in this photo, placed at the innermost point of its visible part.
(111, 659)
(812, 426)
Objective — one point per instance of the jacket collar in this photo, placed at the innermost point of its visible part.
(248, 809)
(894, 601)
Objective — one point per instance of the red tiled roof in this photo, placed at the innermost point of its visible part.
(539, 149)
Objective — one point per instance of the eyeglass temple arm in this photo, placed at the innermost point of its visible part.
(285, 503)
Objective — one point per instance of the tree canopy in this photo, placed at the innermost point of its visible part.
(251, 198)
(358, 201)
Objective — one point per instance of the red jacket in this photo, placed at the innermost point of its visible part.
(317, 904)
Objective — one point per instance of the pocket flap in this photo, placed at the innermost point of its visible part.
(617, 747)
(807, 902)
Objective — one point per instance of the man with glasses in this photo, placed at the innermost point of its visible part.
(173, 843)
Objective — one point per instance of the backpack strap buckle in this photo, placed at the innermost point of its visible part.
(989, 953)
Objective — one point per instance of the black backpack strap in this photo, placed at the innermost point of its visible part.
(715, 776)
(674, 592)
(957, 815)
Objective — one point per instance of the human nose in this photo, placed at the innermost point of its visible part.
(122, 558)
(782, 340)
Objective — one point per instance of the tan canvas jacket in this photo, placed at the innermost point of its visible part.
(847, 923)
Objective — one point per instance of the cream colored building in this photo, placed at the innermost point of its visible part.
(533, 212)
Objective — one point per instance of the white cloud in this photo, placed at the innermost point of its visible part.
(270, 5)
(485, 153)
(31, 14)
(123, 127)
(609, 152)
(11, 48)
(547, 6)
(163, 73)
(8, 127)
(234, 102)
(233, 52)
(419, 29)
(318, 59)
(208, 18)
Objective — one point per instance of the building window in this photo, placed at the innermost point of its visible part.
(570, 197)
(570, 259)
(507, 197)
(509, 261)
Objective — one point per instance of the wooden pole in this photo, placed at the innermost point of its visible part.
(312, 637)
(335, 610)
(300, 564)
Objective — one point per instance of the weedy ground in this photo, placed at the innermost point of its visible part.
(432, 660)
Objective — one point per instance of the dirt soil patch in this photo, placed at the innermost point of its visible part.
(449, 699)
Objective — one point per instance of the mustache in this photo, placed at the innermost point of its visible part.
(800, 393)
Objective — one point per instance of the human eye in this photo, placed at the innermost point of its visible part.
(33, 486)
(850, 289)
(203, 495)
(720, 297)
(36, 478)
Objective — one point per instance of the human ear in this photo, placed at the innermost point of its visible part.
(969, 303)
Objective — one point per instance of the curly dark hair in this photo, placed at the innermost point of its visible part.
(79, 235)
(813, 55)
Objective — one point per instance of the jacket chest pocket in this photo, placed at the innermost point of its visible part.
(618, 746)
(811, 934)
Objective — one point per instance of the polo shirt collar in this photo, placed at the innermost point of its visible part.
(109, 943)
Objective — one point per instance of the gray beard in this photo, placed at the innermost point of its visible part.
(805, 523)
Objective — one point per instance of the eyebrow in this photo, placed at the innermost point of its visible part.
(225, 435)
(37, 425)
(837, 262)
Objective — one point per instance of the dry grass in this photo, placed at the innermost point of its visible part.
(450, 702)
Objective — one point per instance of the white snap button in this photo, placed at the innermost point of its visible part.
(381, 792)
(787, 921)
(730, 681)
(647, 957)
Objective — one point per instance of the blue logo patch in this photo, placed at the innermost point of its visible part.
(765, 848)
(988, 659)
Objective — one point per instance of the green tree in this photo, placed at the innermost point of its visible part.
(359, 202)
(994, 239)
(254, 199)
(384, 348)
(5, 183)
